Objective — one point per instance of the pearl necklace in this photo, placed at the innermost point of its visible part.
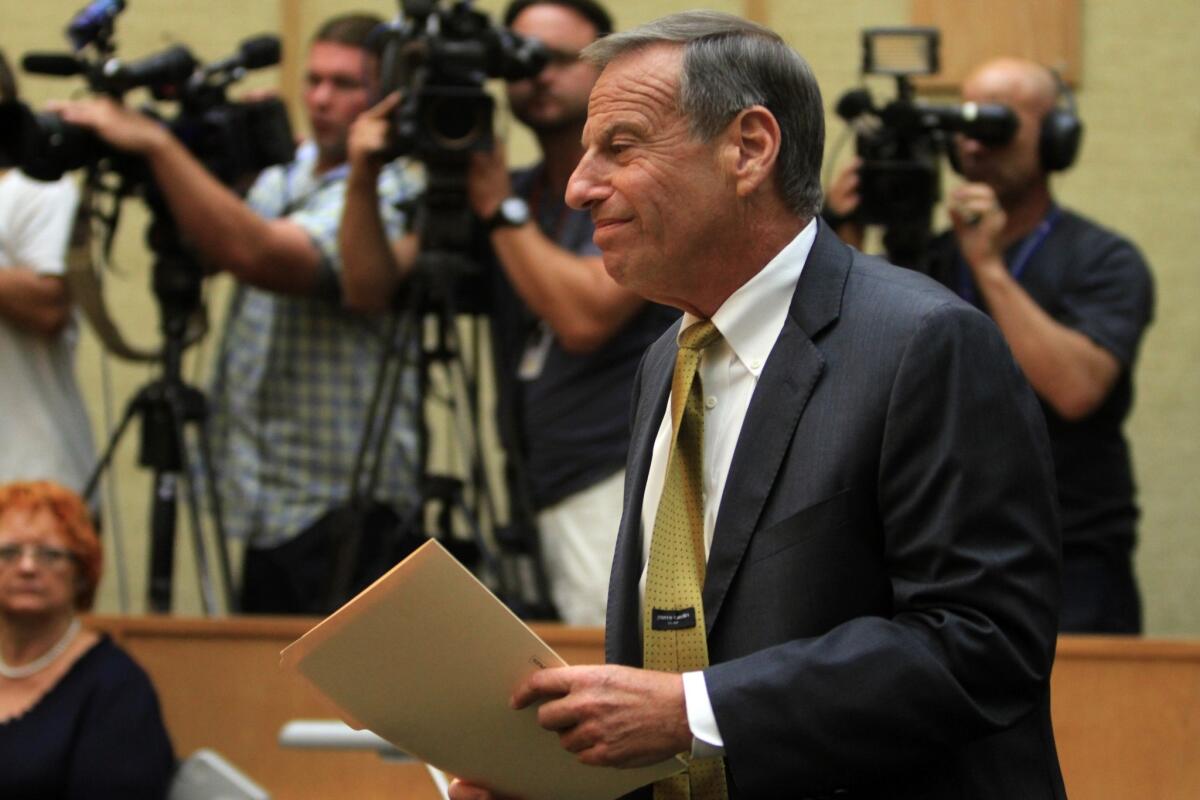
(43, 661)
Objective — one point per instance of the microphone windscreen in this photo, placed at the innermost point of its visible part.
(853, 104)
(260, 51)
(51, 64)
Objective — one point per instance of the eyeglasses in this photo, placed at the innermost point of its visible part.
(43, 555)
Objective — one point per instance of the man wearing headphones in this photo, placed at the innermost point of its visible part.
(1072, 299)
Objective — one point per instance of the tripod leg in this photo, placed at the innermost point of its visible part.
(207, 596)
(481, 488)
(106, 457)
(162, 541)
(218, 517)
(377, 423)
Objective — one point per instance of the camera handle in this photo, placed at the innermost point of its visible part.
(165, 406)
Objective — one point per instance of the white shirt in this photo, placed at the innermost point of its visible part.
(43, 425)
(749, 321)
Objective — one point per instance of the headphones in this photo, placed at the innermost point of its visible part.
(1059, 136)
(1062, 130)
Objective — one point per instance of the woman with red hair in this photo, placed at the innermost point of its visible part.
(78, 718)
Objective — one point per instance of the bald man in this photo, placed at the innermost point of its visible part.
(1072, 299)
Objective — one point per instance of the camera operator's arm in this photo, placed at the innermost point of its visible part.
(33, 294)
(372, 268)
(276, 255)
(572, 294)
(33, 302)
(1066, 368)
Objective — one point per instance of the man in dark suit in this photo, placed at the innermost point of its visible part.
(869, 493)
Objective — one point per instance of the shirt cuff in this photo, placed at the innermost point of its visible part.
(706, 737)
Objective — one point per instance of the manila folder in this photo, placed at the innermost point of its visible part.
(427, 658)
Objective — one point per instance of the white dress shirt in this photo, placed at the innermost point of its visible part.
(749, 321)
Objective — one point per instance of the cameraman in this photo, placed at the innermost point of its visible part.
(43, 424)
(567, 338)
(296, 370)
(1072, 299)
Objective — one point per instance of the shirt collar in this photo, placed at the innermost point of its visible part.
(750, 319)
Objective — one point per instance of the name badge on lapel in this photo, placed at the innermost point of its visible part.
(674, 620)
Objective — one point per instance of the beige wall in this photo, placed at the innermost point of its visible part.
(1139, 172)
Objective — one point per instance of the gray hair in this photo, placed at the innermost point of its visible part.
(730, 64)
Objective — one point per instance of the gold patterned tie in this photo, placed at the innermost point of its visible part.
(673, 611)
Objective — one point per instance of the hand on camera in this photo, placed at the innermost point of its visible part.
(842, 197)
(978, 224)
(123, 128)
(488, 182)
(367, 143)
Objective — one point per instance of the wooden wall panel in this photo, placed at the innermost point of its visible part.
(1046, 31)
(221, 686)
(1126, 710)
(1127, 717)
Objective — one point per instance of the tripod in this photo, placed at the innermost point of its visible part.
(509, 563)
(165, 407)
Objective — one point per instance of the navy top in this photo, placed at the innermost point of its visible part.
(569, 417)
(1097, 283)
(97, 734)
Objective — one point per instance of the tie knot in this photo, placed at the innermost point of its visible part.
(699, 336)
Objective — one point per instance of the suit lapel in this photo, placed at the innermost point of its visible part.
(784, 388)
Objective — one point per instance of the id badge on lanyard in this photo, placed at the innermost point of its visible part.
(537, 348)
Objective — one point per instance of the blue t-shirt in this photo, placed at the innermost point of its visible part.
(566, 414)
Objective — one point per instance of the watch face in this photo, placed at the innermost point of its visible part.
(514, 211)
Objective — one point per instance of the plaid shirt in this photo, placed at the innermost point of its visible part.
(295, 376)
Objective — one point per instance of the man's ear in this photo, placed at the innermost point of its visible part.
(754, 141)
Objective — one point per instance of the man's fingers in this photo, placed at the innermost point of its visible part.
(69, 110)
(554, 682)
(969, 203)
(384, 106)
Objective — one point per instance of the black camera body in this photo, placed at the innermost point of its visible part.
(902, 142)
(235, 140)
(439, 59)
(232, 139)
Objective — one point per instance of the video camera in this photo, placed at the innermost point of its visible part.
(232, 139)
(900, 143)
(439, 59)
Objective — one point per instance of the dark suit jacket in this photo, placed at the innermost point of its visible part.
(882, 590)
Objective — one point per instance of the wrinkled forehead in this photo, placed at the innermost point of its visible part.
(639, 88)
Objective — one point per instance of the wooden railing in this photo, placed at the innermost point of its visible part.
(1126, 711)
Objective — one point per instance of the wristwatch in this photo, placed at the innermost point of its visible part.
(512, 212)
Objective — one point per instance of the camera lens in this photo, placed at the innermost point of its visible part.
(42, 145)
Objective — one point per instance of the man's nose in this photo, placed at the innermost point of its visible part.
(320, 92)
(585, 187)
